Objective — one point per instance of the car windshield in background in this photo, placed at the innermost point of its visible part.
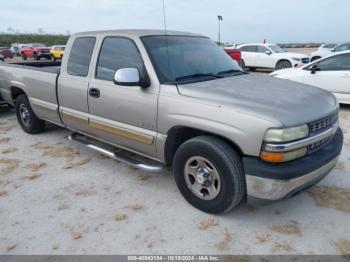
(276, 49)
(38, 45)
(188, 59)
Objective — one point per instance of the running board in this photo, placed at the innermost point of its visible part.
(110, 151)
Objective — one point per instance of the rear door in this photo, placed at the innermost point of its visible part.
(122, 115)
(333, 74)
(74, 83)
(249, 55)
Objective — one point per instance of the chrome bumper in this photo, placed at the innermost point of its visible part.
(259, 188)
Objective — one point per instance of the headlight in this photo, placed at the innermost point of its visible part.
(296, 59)
(286, 134)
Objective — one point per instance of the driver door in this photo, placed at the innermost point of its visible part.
(266, 57)
(332, 74)
(122, 115)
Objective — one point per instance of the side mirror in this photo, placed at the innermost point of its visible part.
(268, 52)
(314, 69)
(333, 50)
(132, 77)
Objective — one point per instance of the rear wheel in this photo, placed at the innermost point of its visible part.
(242, 64)
(283, 64)
(26, 117)
(209, 174)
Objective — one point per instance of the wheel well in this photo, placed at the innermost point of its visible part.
(178, 135)
(281, 60)
(314, 58)
(15, 92)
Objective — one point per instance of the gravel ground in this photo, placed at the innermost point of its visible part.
(60, 198)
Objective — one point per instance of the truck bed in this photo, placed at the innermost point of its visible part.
(46, 66)
(36, 79)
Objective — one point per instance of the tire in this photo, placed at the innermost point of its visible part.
(26, 117)
(24, 57)
(226, 174)
(242, 64)
(37, 58)
(315, 58)
(283, 64)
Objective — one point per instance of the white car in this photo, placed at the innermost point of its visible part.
(270, 56)
(328, 49)
(331, 73)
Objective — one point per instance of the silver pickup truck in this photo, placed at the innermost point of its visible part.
(176, 99)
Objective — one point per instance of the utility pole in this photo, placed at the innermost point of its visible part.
(219, 20)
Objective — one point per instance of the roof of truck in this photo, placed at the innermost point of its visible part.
(138, 32)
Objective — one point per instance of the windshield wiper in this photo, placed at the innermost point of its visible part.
(231, 71)
(197, 75)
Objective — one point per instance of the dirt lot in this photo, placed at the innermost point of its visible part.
(59, 198)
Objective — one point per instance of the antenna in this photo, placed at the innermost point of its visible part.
(166, 35)
(164, 16)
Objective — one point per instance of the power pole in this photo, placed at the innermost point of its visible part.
(219, 21)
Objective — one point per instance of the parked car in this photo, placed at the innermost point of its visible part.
(36, 51)
(6, 52)
(269, 56)
(2, 58)
(177, 99)
(16, 48)
(331, 73)
(235, 54)
(57, 52)
(325, 51)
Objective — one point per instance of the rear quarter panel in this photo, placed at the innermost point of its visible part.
(38, 85)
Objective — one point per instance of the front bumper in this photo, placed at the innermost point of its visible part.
(270, 182)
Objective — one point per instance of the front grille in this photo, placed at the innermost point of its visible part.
(318, 127)
(319, 145)
(323, 124)
(305, 60)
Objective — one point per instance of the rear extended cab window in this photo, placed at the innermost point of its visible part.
(80, 56)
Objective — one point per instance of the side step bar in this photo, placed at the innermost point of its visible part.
(109, 151)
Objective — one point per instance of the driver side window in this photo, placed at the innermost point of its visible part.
(335, 63)
(262, 49)
(342, 48)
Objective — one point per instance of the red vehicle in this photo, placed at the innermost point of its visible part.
(6, 52)
(36, 51)
(235, 54)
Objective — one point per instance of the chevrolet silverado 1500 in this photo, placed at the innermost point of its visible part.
(177, 99)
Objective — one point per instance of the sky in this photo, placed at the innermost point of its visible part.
(279, 21)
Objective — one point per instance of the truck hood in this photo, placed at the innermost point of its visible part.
(277, 100)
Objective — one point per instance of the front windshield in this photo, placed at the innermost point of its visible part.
(176, 58)
(276, 49)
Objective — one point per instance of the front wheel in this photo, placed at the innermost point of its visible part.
(283, 64)
(209, 174)
(26, 117)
